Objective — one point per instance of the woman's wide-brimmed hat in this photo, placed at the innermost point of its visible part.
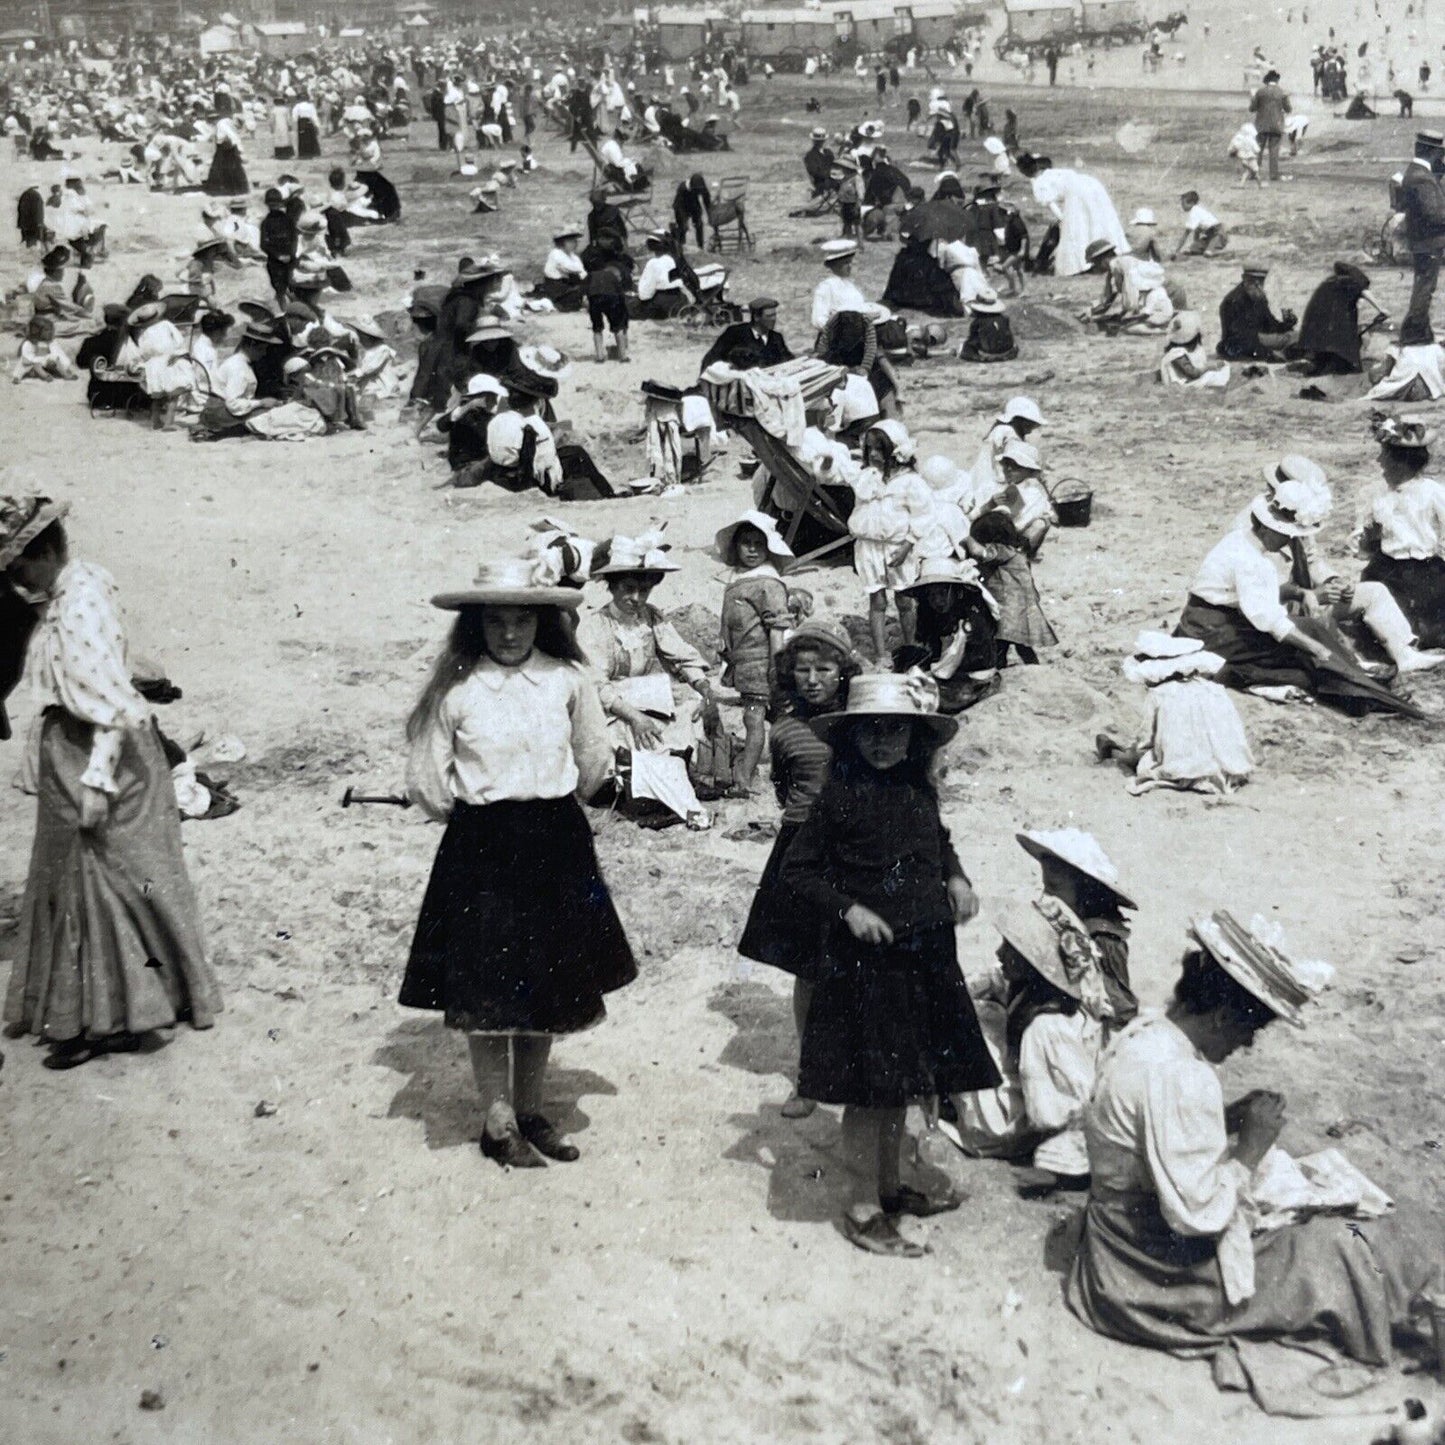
(22, 520)
(483, 270)
(632, 556)
(1081, 851)
(726, 536)
(511, 582)
(545, 361)
(1405, 433)
(367, 326)
(144, 315)
(1298, 500)
(912, 695)
(1257, 966)
(945, 572)
(1033, 938)
(987, 302)
(838, 250)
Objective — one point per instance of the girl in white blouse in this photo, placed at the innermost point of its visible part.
(517, 939)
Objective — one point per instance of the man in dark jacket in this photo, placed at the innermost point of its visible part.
(1269, 106)
(755, 342)
(1422, 200)
(818, 162)
(1249, 330)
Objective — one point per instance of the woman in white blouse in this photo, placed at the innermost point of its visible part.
(1405, 533)
(517, 939)
(109, 945)
(1236, 607)
(1171, 1255)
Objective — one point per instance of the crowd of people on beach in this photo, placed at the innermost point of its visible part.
(547, 703)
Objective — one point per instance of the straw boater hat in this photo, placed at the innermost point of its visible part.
(838, 250)
(22, 520)
(817, 133)
(510, 582)
(1297, 500)
(1258, 967)
(987, 303)
(1033, 938)
(723, 541)
(636, 556)
(912, 695)
(1081, 851)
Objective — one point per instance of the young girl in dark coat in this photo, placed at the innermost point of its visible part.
(891, 1020)
(814, 668)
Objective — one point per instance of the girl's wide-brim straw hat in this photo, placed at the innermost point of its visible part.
(726, 536)
(1255, 965)
(1032, 937)
(22, 520)
(911, 695)
(1081, 851)
(510, 582)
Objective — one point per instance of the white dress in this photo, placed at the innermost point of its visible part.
(1082, 207)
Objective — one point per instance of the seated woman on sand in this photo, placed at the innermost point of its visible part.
(1173, 1255)
(638, 657)
(1413, 368)
(1236, 608)
(1134, 299)
(1330, 333)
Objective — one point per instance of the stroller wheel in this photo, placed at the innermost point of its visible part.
(691, 316)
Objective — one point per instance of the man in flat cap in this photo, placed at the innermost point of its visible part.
(1249, 329)
(1422, 199)
(754, 342)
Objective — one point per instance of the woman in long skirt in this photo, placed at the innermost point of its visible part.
(228, 172)
(518, 940)
(110, 941)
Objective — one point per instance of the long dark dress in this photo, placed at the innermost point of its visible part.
(228, 174)
(385, 200)
(30, 216)
(1418, 585)
(918, 283)
(517, 931)
(308, 139)
(888, 1023)
(1329, 335)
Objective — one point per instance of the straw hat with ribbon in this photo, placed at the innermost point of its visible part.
(1257, 966)
(513, 582)
(1080, 850)
(912, 695)
(1035, 940)
(1298, 500)
(22, 520)
(635, 556)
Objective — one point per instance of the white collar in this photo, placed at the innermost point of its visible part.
(495, 675)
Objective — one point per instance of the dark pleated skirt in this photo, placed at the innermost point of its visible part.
(1419, 588)
(890, 1024)
(308, 140)
(227, 175)
(1254, 659)
(517, 930)
(110, 937)
(781, 929)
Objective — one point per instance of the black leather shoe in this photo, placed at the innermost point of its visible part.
(543, 1136)
(512, 1151)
